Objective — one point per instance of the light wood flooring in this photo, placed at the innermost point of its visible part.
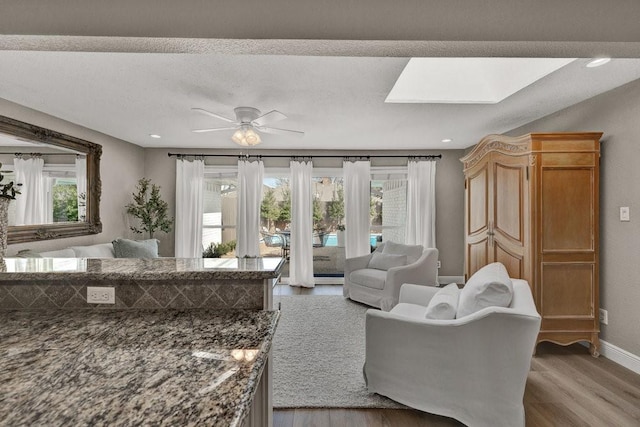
(566, 387)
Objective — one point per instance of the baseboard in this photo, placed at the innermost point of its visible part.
(319, 280)
(445, 280)
(620, 356)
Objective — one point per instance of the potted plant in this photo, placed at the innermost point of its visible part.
(340, 235)
(149, 208)
(8, 191)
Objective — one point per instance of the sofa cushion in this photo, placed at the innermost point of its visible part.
(28, 253)
(414, 311)
(413, 252)
(62, 253)
(102, 250)
(382, 261)
(125, 248)
(444, 304)
(369, 277)
(489, 286)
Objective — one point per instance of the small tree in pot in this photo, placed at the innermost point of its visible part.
(8, 191)
(149, 208)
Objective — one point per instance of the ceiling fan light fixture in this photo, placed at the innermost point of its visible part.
(252, 137)
(238, 136)
(246, 137)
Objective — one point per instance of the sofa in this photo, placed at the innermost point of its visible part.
(375, 279)
(463, 354)
(118, 248)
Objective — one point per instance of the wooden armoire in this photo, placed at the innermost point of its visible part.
(532, 203)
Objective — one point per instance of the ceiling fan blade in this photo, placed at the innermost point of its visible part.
(281, 131)
(270, 117)
(213, 129)
(209, 113)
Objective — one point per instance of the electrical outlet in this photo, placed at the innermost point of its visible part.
(604, 316)
(439, 264)
(624, 213)
(101, 295)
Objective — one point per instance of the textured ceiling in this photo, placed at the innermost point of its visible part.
(337, 101)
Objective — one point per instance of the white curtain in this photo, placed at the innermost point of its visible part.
(48, 198)
(81, 186)
(31, 204)
(421, 203)
(301, 265)
(189, 208)
(357, 197)
(250, 176)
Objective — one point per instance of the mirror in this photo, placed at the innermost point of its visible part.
(59, 151)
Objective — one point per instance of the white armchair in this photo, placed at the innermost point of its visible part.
(375, 279)
(473, 369)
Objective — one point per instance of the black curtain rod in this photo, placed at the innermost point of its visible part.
(42, 154)
(427, 156)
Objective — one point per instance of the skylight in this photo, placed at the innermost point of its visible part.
(469, 80)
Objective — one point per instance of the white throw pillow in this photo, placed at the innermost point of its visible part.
(413, 252)
(382, 261)
(489, 286)
(101, 250)
(444, 304)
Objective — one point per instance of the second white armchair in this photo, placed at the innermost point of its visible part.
(375, 279)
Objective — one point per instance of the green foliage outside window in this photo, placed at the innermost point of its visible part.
(269, 209)
(318, 215)
(217, 250)
(335, 209)
(285, 207)
(65, 202)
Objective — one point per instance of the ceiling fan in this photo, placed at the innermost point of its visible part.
(248, 121)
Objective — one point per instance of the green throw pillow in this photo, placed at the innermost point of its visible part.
(125, 248)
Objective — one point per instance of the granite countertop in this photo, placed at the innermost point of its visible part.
(131, 367)
(140, 268)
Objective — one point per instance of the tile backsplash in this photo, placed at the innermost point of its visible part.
(133, 294)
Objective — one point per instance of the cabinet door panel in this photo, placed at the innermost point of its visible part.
(512, 261)
(477, 253)
(568, 290)
(477, 200)
(508, 200)
(568, 208)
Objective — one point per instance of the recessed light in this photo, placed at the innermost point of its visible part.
(598, 62)
(447, 140)
(153, 135)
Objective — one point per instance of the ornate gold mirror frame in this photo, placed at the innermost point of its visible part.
(92, 151)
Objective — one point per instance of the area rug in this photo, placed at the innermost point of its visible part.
(318, 354)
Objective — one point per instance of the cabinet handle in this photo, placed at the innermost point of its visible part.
(490, 233)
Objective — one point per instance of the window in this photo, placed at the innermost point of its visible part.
(219, 220)
(388, 204)
(388, 212)
(61, 195)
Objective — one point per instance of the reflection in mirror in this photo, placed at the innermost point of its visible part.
(60, 182)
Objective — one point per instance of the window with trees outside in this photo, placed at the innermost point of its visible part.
(387, 216)
(61, 196)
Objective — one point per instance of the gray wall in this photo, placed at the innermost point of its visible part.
(120, 168)
(616, 113)
(449, 192)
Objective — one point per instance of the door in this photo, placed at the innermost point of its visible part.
(509, 220)
(497, 214)
(477, 217)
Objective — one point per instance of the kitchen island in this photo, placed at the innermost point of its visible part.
(134, 367)
(177, 342)
(174, 283)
